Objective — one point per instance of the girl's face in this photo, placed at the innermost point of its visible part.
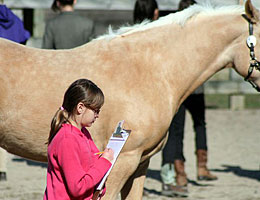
(83, 116)
(89, 116)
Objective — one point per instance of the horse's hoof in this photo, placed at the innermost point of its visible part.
(3, 176)
(173, 191)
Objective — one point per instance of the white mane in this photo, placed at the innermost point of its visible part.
(179, 18)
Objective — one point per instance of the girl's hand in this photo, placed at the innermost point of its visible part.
(100, 195)
(108, 154)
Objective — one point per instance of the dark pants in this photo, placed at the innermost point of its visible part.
(173, 149)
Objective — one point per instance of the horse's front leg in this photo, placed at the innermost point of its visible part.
(125, 167)
(133, 188)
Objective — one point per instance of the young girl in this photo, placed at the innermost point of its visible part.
(74, 170)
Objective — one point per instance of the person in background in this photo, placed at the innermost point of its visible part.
(68, 29)
(145, 9)
(11, 28)
(74, 168)
(174, 178)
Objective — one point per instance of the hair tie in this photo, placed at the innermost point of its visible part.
(61, 108)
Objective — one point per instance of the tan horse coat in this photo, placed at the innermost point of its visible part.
(144, 75)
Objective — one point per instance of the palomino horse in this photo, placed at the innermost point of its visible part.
(145, 73)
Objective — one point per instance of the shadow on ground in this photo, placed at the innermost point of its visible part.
(155, 174)
(30, 162)
(237, 170)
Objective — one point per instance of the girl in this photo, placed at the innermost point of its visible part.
(73, 168)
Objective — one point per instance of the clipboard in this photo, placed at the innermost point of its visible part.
(116, 142)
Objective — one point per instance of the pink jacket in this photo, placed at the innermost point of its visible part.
(73, 169)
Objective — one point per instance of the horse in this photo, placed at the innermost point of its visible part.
(145, 71)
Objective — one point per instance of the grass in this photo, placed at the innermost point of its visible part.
(222, 101)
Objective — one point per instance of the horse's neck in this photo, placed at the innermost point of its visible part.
(200, 50)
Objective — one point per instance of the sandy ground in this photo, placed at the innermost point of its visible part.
(234, 156)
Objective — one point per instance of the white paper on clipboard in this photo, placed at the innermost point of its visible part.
(116, 142)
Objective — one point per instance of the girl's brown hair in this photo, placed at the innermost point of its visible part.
(82, 90)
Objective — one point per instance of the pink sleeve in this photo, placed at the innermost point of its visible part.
(77, 179)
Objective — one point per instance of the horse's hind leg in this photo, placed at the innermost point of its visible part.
(3, 163)
(133, 189)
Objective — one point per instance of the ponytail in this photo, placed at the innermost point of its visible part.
(60, 117)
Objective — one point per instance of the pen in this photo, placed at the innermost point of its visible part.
(101, 152)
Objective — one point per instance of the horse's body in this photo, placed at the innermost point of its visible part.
(145, 76)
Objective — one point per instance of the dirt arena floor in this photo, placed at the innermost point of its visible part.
(234, 156)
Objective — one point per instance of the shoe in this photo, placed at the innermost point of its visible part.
(207, 176)
(203, 174)
(181, 176)
(174, 191)
(3, 176)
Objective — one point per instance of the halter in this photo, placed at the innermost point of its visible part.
(254, 63)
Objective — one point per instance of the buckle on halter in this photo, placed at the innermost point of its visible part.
(254, 63)
(257, 65)
(251, 40)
